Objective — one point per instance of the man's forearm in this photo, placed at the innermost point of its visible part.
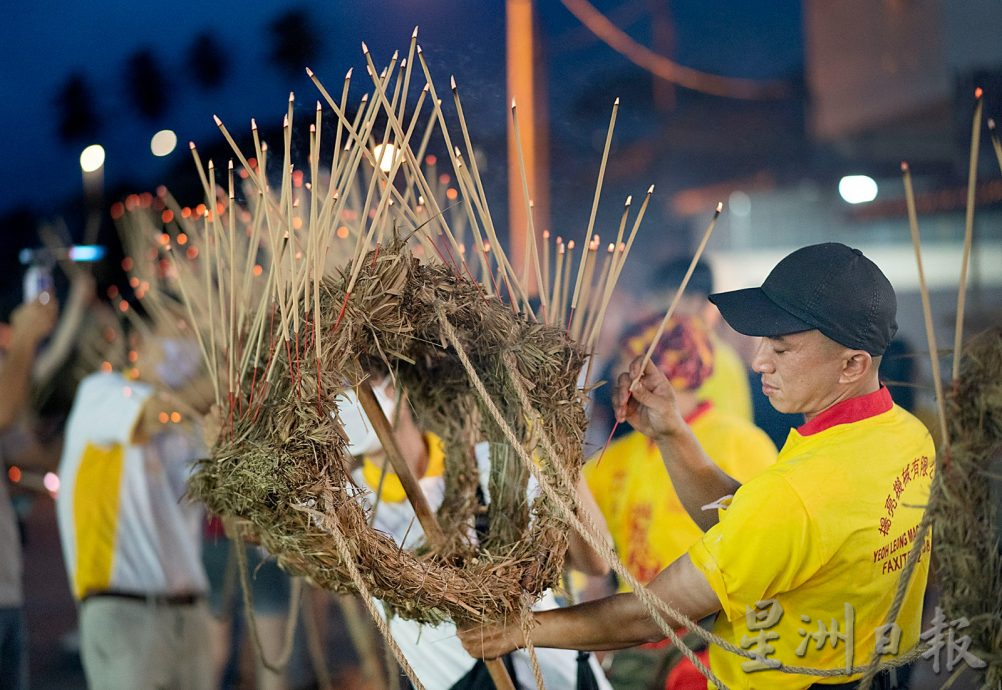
(697, 480)
(615, 622)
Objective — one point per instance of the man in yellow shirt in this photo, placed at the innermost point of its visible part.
(648, 523)
(803, 564)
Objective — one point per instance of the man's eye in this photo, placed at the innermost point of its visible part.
(777, 351)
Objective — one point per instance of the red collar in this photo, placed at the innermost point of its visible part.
(702, 408)
(849, 411)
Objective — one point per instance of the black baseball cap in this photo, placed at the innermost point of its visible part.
(829, 287)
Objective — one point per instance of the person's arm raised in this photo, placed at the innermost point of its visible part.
(30, 324)
(650, 407)
(615, 622)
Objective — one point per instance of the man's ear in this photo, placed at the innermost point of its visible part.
(857, 365)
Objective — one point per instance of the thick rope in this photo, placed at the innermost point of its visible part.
(537, 672)
(278, 666)
(344, 552)
(642, 594)
(651, 602)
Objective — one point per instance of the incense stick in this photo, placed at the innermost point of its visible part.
(594, 202)
(930, 332)
(678, 293)
(972, 179)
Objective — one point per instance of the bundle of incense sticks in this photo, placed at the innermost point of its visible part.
(249, 261)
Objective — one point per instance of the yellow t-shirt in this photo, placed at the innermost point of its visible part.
(727, 387)
(824, 534)
(647, 521)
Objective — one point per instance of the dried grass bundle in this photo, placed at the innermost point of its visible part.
(281, 467)
(964, 513)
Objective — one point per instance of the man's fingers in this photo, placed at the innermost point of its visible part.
(621, 397)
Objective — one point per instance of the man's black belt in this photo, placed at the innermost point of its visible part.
(185, 599)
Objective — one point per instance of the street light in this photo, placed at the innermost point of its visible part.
(163, 143)
(92, 158)
(857, 189)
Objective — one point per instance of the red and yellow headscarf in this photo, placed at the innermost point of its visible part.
(684, 353)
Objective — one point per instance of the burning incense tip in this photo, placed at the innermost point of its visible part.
(513, 104)
(629, 200)
(285, 121)
(313, 128)
(230, 164)
(991, 124)
(426, 88)
(904, 166)
(615, 103)
(264, 146)
(191, 145)
(318, 105)
(611, 248)
(650, 190)
(347, 75)
(365, 48)
(309, 73)
(720, 208)
(403, 63)
(419, 50)
(570, 245)
(219, 123)
(546, 234)
(560, 240)
(365, 98)
(452, 81)
(253, 124)
(978, 92)
(212, 166)
(395, 54)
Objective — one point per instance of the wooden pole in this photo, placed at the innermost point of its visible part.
(384, 431)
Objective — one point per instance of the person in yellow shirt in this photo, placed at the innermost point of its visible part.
(802, 563)
(647, 520)
(648, 523)
(727, 385)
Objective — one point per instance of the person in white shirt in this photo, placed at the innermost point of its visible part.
(130, 538)
(434, 651)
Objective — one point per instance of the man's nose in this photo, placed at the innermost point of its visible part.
(762, 362)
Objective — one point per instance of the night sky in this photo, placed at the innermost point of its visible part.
(42, 43)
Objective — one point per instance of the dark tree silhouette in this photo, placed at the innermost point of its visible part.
(207, 61)
(146, 84)
(294, 42)
(75, 105)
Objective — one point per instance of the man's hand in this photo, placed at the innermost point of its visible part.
(491, 641)
(32, 321)
(650, 405)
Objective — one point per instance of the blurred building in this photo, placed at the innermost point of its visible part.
(887, 81)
